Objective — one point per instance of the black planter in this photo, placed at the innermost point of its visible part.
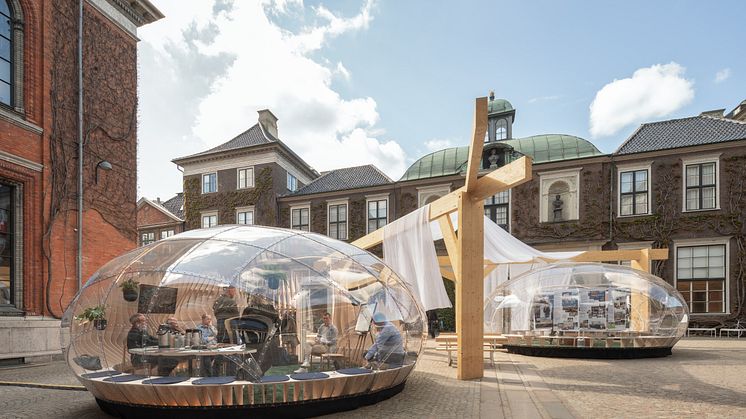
(99, 324)
(273, 280)
(129, 295)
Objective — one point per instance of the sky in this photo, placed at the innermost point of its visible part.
(384, 82)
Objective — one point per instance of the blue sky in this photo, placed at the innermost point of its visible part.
(387, 81)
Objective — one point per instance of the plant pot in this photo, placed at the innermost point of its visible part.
(129, 295)
(99, 324)
(273, 280)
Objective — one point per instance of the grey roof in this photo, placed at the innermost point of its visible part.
(685, 132)
(251, 137)
(175, 205)
(347, 178)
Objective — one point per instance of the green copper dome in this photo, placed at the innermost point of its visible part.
(554, 147)
(498, 106)
(440, 163)
(541, 148)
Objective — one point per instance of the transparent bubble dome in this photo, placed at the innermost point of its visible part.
(245, 302)
(588, 305)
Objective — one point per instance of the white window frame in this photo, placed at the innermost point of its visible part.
(633, 168)
(203, 182)
(167, 233)
(375, 198)
(300, 207)
(712, 158)
(249, 180)
(705, 242)
(209, 214)
(151, 238)
(346, 203)
(546, 179)
(246, 210)
(288, 177)
(510, 203)
(426, 192)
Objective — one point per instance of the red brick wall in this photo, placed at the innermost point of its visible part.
(147, 215)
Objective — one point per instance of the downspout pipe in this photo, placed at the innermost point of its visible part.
(80, 145)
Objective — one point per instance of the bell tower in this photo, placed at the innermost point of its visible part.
(500, 118)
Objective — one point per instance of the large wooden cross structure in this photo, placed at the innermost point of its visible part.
(466, 247)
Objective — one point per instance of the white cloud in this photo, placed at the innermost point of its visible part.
(651, 92)
(205, 73)
(722, 75)
(438, 144)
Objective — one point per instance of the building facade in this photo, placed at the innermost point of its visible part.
(39, 157)
(675, 184)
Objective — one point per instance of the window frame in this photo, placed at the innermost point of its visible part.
(294, 183)
(306, 207)
(171, 231)
(246, 210)
(17, 24)
(424, 193)
(203, 182)
(14, 244)
(626, 168)
(149, 240)
(368, 200)
(686, 162)
(493, 206)
(210, 214)
(248, 185)
(497, 129)
(338, 203)
(725, 241)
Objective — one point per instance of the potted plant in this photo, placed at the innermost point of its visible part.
(95, 314)
(129, 289)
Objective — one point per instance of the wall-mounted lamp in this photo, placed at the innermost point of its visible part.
(103, 165)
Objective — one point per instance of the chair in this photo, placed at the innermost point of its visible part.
(254, 329)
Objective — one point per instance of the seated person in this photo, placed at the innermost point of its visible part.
(138, 337)
(387, 348)
(325, 342)
(209, 336)
(173, 325)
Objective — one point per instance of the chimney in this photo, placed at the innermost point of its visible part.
(717, 113)
(158, 200)
(269, 122)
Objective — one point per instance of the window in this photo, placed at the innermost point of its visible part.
(299, 218)
(634, 192)
(8, 285)
(377, 214)
(6, 54)
(497, 209)
(246, 178)
(701, 276)
(147, 238)
(209, 220)
(245, 216)
(209, 182)
(429, 194)
(501, 130)
(338, 221)
(292, 183)
(166, 234)
(559, 195)
(701, 186)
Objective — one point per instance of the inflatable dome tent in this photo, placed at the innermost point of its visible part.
(588, 310)
(243, 319)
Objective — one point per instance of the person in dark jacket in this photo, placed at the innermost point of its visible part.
(138, 337)
(224, 308)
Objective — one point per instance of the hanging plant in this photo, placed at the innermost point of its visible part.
(95, 314)
(129, 289)
(273, 276)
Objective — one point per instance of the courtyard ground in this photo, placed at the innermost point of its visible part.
(703, 378)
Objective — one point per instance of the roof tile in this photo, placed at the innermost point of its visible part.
(346, 178)
(685, 132)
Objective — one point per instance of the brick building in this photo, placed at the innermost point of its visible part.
(677, 184)
(39, 156)
(159, 220)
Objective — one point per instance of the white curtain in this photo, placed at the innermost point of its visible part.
(408, 248)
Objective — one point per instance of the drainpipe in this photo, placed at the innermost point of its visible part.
(80, 145)
(612, 169)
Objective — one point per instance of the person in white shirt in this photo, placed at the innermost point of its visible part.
(326, 342)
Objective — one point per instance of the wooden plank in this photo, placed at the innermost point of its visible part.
(609, 255)
(479, 128)
(449, 237)
(504, 178)
(469, 269)
(643, 262)
(449, 275)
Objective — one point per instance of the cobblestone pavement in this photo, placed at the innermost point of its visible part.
(703, 378)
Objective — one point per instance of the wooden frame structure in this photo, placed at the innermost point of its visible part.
(466, 247)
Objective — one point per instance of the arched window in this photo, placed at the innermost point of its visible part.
(6, 54)
(501, 130)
